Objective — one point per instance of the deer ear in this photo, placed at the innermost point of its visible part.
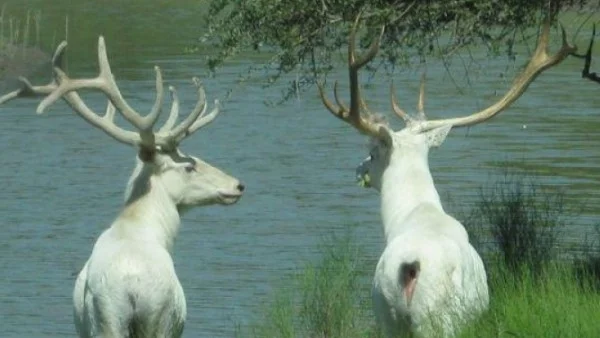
(436, 137)
(386, 135)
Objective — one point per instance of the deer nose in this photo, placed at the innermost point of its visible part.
(241, 187)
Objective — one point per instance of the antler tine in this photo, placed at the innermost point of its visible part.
(59, 53)
(396, 108)
(67, 87)
(110, 112)
(9, 96)
(26, 90)
(150, 120)
(195, 119)
(202, 120)
(104, 123)
(539, 62)
(336, 111)
(105, 82)
(174, 114)
(354, 65)
(341, 111)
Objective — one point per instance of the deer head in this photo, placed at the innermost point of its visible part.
(412, 143)
(186, 180)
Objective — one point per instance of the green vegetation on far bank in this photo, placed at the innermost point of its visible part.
(20, 52)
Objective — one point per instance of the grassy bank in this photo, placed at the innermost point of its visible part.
(331, 299)
(558, 302)
(535, 291)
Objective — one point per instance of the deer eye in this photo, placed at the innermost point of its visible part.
(190, 168)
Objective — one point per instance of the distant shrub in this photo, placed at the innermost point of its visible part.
(326, 299)
(522, 218)
(587, 262)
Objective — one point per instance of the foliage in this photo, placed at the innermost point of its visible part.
(327, 299)
(306, 36)
(523, 219)
(325, 308)
(555, 302)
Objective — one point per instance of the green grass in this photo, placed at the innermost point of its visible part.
(331, 299)
(533, 292)
(326, 299)
(553, 304)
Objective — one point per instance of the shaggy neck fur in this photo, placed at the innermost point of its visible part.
(406, 184)
(149, 214)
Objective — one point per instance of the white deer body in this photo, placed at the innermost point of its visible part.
(129, 282)
(429, 279)
(449, 284)
(128, 287)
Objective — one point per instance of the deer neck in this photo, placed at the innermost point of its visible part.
(406, 184)
(150, 214)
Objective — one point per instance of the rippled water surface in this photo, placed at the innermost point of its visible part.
(62, 180)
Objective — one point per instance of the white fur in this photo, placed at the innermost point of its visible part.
(451, 284)
(128, 287)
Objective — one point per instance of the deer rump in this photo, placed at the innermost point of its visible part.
(119, 289)
(421, 276)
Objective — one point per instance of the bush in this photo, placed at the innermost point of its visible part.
(587, 263)
(522, 218)
(327, 299)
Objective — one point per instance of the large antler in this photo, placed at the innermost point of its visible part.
(168, 137)
(539, 62)
(340, 111)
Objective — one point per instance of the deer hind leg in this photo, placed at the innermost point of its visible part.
(392, 322)
(108, 318)
(158, 317)
(170, 325)
(164, 324)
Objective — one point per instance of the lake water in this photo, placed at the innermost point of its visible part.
(63, 181)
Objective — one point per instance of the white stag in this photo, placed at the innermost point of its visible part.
(429, 278)
(128, 287)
